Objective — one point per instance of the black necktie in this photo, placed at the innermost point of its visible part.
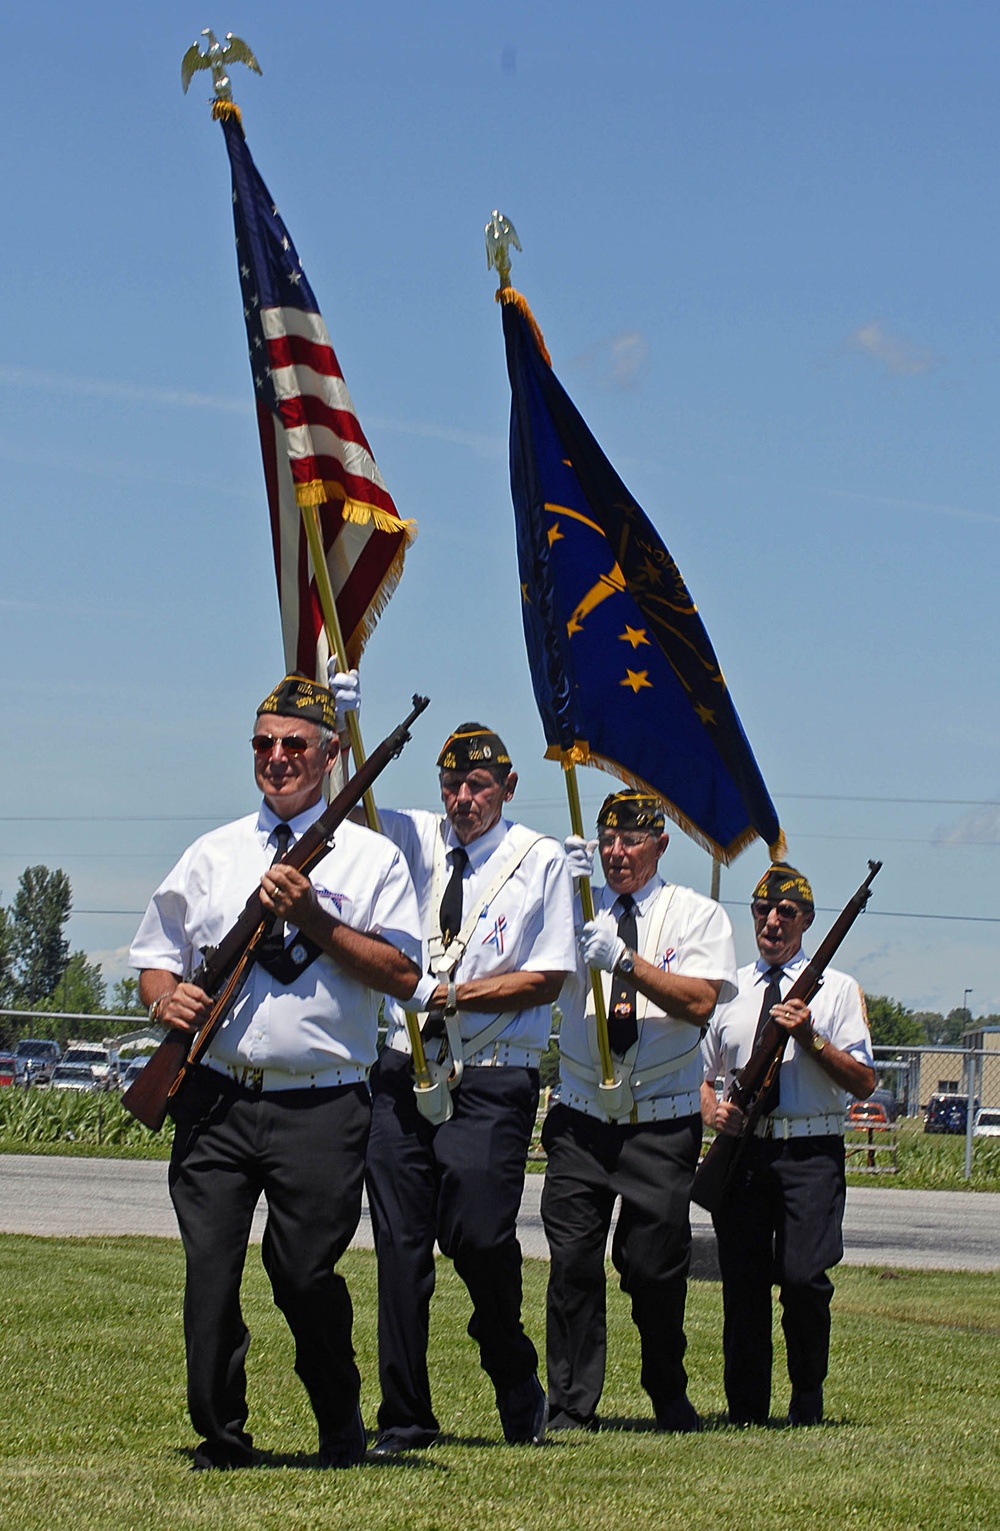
(451, 904)
(622, 1027)
(273, 943)
(772, 997)
(451, 924)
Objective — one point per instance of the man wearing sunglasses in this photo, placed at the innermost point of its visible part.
(781, 1221)
(666, 956)
(496, 902)
(279, 1103)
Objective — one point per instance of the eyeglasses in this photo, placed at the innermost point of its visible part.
(760, 910)
(628, 842)
(292, 744)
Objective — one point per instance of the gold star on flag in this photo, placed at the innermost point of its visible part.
(636, 679)
(705, 713)
(554, 534)
(633, 635)
(524, 594)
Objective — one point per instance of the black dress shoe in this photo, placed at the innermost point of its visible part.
(563, 1420)
(806, 1407)
(679, 1416)
(524, 1413)
(345, 1447)
(389, 1443)
(214, 1458)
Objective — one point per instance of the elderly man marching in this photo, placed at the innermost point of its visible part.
(781, 1219)
(279, 1103)
(667, 953)
(496, 908)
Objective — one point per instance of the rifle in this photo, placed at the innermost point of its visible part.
(226, 967)
(751, 1083)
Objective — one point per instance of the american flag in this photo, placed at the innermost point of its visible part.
(314, 450)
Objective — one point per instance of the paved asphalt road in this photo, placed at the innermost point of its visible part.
(943, 1230)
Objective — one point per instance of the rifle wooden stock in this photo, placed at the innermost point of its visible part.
(226, 966)
(749, 1087)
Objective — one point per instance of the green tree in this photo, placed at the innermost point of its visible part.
(39, 947)
(125, 998)
(933, 1023)
(956, 1022)
(892, 1024)
(6, 959)
(81, 989)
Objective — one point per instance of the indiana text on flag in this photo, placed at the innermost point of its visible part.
(624, 673)
(315, 452)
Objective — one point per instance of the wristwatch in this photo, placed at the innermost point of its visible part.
(626, 962)
(817, 1043)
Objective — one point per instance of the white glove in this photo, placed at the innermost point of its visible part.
(346, 688)
(580, 855)
(600, 944)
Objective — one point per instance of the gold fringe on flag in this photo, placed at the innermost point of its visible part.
(581, 754)
(509, 295)
(356, 641)
(223, 110)
(323, 491)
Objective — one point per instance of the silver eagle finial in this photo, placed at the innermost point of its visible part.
(217, 57)
(500, 235)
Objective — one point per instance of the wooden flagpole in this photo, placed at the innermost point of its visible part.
(335, 638)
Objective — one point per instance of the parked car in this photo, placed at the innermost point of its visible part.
(103, 1061)
(133, 1069)
(867, 1113)
(986, 1123)
(886, 1099)
(12, 1069)
(947, 1113)
(40, 1056)
(75, 1076)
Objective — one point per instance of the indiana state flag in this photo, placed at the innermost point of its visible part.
(624, 673)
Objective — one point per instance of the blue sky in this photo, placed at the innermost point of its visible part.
(761, 244)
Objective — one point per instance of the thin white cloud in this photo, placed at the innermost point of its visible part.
(930, 506)
(981, 826)
(99, 388)
(479, 442)
(895, 353)
(179, 398)
(616, 363)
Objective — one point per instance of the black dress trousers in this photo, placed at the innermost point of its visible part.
(590, 1163)
(459, 1183)
(304, 1151)
(780, 1224)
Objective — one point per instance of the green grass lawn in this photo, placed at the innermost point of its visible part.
(94, 1430)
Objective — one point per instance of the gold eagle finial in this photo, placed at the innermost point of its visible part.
(217, 57)
(500, 235)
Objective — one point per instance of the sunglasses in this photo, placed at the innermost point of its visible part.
(607, 837)
(292, 744)
(760, 910)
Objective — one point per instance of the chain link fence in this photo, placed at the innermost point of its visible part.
(955, 1089)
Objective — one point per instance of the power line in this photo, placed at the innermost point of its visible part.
(735, 903)
(216, 818)
(893, 914)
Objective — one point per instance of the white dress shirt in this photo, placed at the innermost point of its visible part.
(324, 1018)
(528, 925)
(681, 932)
(838, 1013)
